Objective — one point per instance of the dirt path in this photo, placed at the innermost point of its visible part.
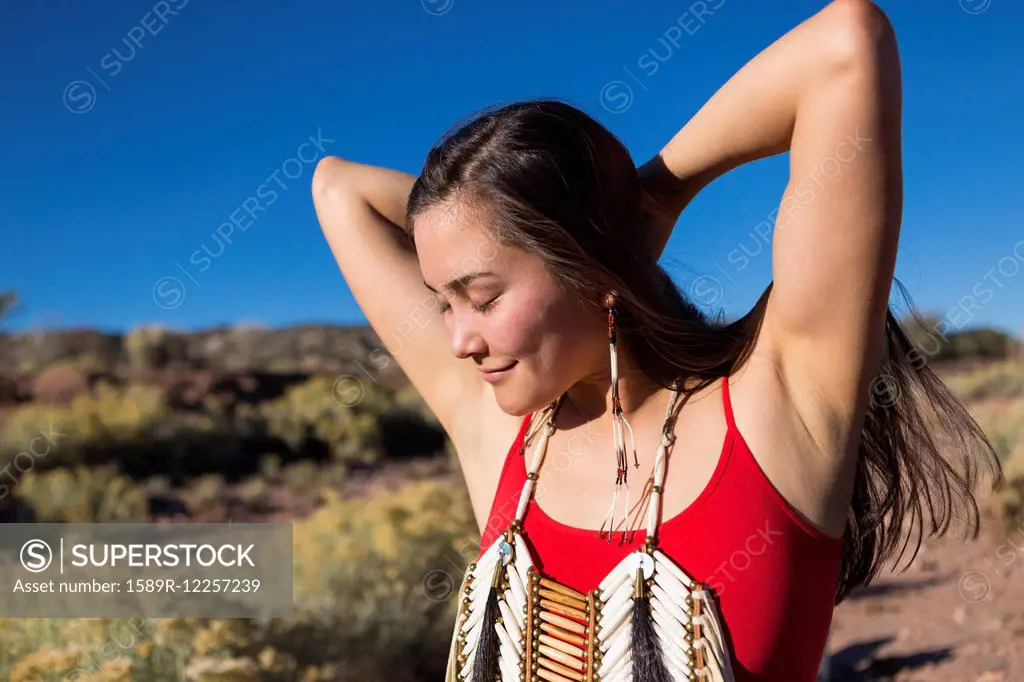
(956, 614)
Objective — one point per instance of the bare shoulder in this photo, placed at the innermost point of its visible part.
(483, 445)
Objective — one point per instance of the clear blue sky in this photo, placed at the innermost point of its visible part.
(132, 131)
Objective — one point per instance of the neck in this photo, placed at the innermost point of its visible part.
(591, 397)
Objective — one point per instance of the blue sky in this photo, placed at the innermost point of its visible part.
(133, 130)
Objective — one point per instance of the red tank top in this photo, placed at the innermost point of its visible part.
(774, 574)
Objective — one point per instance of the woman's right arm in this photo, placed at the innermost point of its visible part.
(361, 209)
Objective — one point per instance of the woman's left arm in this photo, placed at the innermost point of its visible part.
(829, 91)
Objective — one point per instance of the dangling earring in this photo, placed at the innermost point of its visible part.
(618, 434)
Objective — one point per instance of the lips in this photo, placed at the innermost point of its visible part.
(496, 375)
(498, 369)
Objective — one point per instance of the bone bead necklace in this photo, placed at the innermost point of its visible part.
(647, 621)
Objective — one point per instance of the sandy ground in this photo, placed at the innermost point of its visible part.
(956, 614)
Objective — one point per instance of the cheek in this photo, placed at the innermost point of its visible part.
(534, 327)
(513, 331)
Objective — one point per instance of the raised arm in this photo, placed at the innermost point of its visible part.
(361, 209)
(829, 91)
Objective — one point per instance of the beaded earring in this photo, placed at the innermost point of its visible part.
(619, 424)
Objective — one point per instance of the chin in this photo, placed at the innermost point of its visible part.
(509, 402)
(517, 403)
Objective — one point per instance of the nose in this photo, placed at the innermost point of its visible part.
(466, 341)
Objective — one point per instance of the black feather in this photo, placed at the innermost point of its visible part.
(648, 659)
(485, 663)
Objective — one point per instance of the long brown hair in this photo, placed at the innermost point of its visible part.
(556, 183)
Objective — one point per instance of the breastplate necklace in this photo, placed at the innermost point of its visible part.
(647, 620)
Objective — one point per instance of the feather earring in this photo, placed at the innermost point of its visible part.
(618, 435)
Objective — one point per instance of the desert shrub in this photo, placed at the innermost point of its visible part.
(374, 588)
(106, 414)
(254, 491)
(84, 495)
(997, 380)
(1004, 425)
(375, 581)
(933, 337)
(301, 475)
(1009, 501)
(38, 436)
(342, 416)
(202, 492)
(154, 347)
(982, 344)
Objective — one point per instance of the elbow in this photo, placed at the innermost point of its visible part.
(329, 177)
(857, 35)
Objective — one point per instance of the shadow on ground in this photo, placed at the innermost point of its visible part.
(860, 663)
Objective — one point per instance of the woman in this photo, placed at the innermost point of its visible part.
(782, 454)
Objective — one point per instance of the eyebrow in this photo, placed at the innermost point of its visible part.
(461, 282)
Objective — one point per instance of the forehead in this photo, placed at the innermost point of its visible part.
(452, 241)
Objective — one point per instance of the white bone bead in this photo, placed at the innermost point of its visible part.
(512, 625)
(524, 498)
(508, 651)
(662, 561)
(618, 598)
(670, 647)
(522, 560)
(474, 628)
(612, 621)
(616, 653)
(672, 627)
(623, 671)
(611, 582)
(516, 591)
(673, 606)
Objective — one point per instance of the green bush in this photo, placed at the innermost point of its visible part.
(84, 495)
(43, 436)
(345, 417)
(375, 582)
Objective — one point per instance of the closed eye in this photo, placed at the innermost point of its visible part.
(485, 307)
(443, 307)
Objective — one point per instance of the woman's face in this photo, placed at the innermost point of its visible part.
(509, 311)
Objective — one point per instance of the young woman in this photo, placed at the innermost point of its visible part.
(752, 474)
